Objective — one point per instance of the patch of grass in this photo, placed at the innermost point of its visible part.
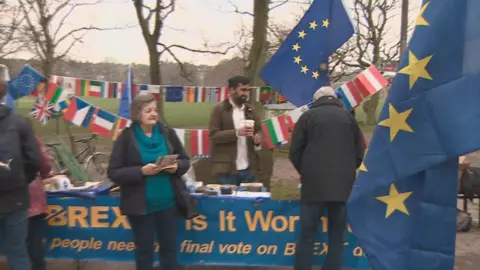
(285, 190)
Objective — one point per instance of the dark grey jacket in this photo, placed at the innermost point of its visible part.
(15, 196)
(125, 168)
(326, 149)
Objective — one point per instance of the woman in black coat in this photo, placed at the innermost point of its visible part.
(148, 193)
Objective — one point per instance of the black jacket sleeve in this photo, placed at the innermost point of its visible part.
(183, 159)
(118, 170)
(299, 142)
(32, 155)
(359, 144)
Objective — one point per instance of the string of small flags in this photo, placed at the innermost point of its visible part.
(276, 130)
(190, 94)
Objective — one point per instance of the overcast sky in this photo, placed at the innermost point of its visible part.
(193, 23)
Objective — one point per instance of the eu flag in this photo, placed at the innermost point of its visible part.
(300, 66)
(403, 205)
(25, 83)
(127, 95)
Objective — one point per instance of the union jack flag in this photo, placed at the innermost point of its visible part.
(42, 110)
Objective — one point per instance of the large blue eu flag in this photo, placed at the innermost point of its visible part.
(300, 66)
(25, 83)
(403, 205)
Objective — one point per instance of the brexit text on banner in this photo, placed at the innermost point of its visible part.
(228, 232)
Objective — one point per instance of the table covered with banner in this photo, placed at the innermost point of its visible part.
(229, 231)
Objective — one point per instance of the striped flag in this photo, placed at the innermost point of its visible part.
(200, 94)
(350, 95)
(102, 122)
(57, 96)
(370, 81)
(222, 94)
(199, 143)
(275, 131)
(82, 88)
(95, 89)
(115, 89)
(189, 94)
(122, 123)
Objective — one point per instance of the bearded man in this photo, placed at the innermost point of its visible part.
(234, 131)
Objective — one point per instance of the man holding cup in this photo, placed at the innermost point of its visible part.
(234, 131)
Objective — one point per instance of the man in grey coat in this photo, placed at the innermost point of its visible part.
(326, 150)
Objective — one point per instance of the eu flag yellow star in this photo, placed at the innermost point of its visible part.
(297, 59)
(296, 47)
(315, 74)
(304, 69)
(420, 19)
(416, 68)
(313, 25)
(302, 34)
(325, 23)
(396, 121)
(395, 201)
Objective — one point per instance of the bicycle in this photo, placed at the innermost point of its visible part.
(93, 161)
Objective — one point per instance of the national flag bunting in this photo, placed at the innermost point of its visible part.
(42, 110)
(199, 143)
(370, 81)
(79, 112)
(180, 134)
(295, 114)
(122, 123)
(275, 130)
(102, 122)
(350, 95)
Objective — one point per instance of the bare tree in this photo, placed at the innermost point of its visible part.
(10, 20)
(45, 34)
(152, 20)
(45, 29)
(370, 45)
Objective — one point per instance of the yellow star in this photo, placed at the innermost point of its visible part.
(420, 19)
(296, 47)
(313, 25)
(302, 34)
(297, 59)
(395, 201)
(396, 121)
(325, 23)
(416, 68)
(304, 69)
(315, 74)
(362, 166)
(323, 66)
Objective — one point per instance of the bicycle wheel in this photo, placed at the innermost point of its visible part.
(96, 166)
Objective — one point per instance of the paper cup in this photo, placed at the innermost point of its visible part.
(248, 123)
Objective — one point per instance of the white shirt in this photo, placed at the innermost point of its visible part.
(238, 116)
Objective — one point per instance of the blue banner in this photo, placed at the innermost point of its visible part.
(228, 232)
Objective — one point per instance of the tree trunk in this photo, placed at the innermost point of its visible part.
(156, 76)
(370, 109)
(256, 61)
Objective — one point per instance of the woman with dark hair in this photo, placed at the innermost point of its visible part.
(38, 211)
(147, 195)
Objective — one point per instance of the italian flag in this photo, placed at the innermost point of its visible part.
(275, 131)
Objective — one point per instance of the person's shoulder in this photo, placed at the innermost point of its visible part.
(219, 106)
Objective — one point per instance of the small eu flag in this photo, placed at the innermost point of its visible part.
(25, 83)
(300, 66)
(127, 95)
(403, 205)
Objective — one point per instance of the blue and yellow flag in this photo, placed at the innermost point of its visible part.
(25, 83)
(300, 66)
(403, 205)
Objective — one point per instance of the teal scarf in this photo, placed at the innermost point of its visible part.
(159, 192)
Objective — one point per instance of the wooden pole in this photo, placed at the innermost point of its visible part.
(404, 26)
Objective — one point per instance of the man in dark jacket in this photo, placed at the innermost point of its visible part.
(20, 161)
(326, 150)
